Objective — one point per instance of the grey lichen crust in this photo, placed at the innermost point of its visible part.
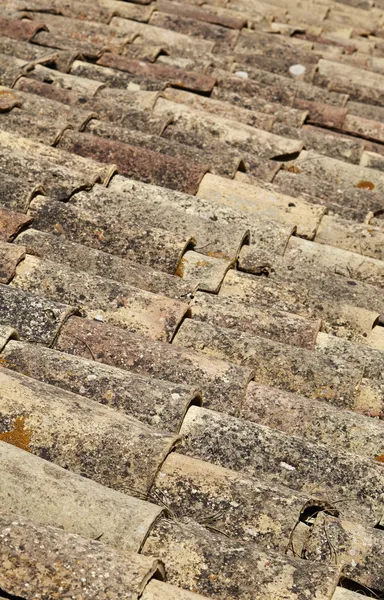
(314, 420)
(79, 257)
(245, 508)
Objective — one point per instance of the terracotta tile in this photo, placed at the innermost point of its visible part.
(135, 162)
(20, 30)
(191, 81)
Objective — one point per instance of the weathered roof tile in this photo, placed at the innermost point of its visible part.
(90, 31)
(35, 318)
(150, 245)
(63, 499)
(78, 257)
(249, 141)
(59, 425)
(41, 128)
(221, 162)
(265, 572)
(276, 88)
(222, 37)
(201, 14)
(347, 307)
(289, 368)
(239, 505)
(52, 559)
(10, 256)
(333, 144)
(197, 127)
(222, 109)
(272, 324)
(313, 420)
(158, 35)
(354, 203)
(322, 114)
(207, 271)
(47, 39)
(81, 85)
(97, 298)
(350, 538)
(20, 29)
(176, 77)
(330, 258)
(29, 149)
(125, 200)
(8, 100)
(21, 49)
(6, 334)
(258, 201)
(354, 237)
(258, 451)
(116, 79)
(11, 223)
(135, 162)
(157, 403)
(45, 107)
(222, 384)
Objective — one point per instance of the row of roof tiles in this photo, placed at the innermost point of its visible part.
(178, 305)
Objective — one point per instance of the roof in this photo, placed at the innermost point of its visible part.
(191, 299)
